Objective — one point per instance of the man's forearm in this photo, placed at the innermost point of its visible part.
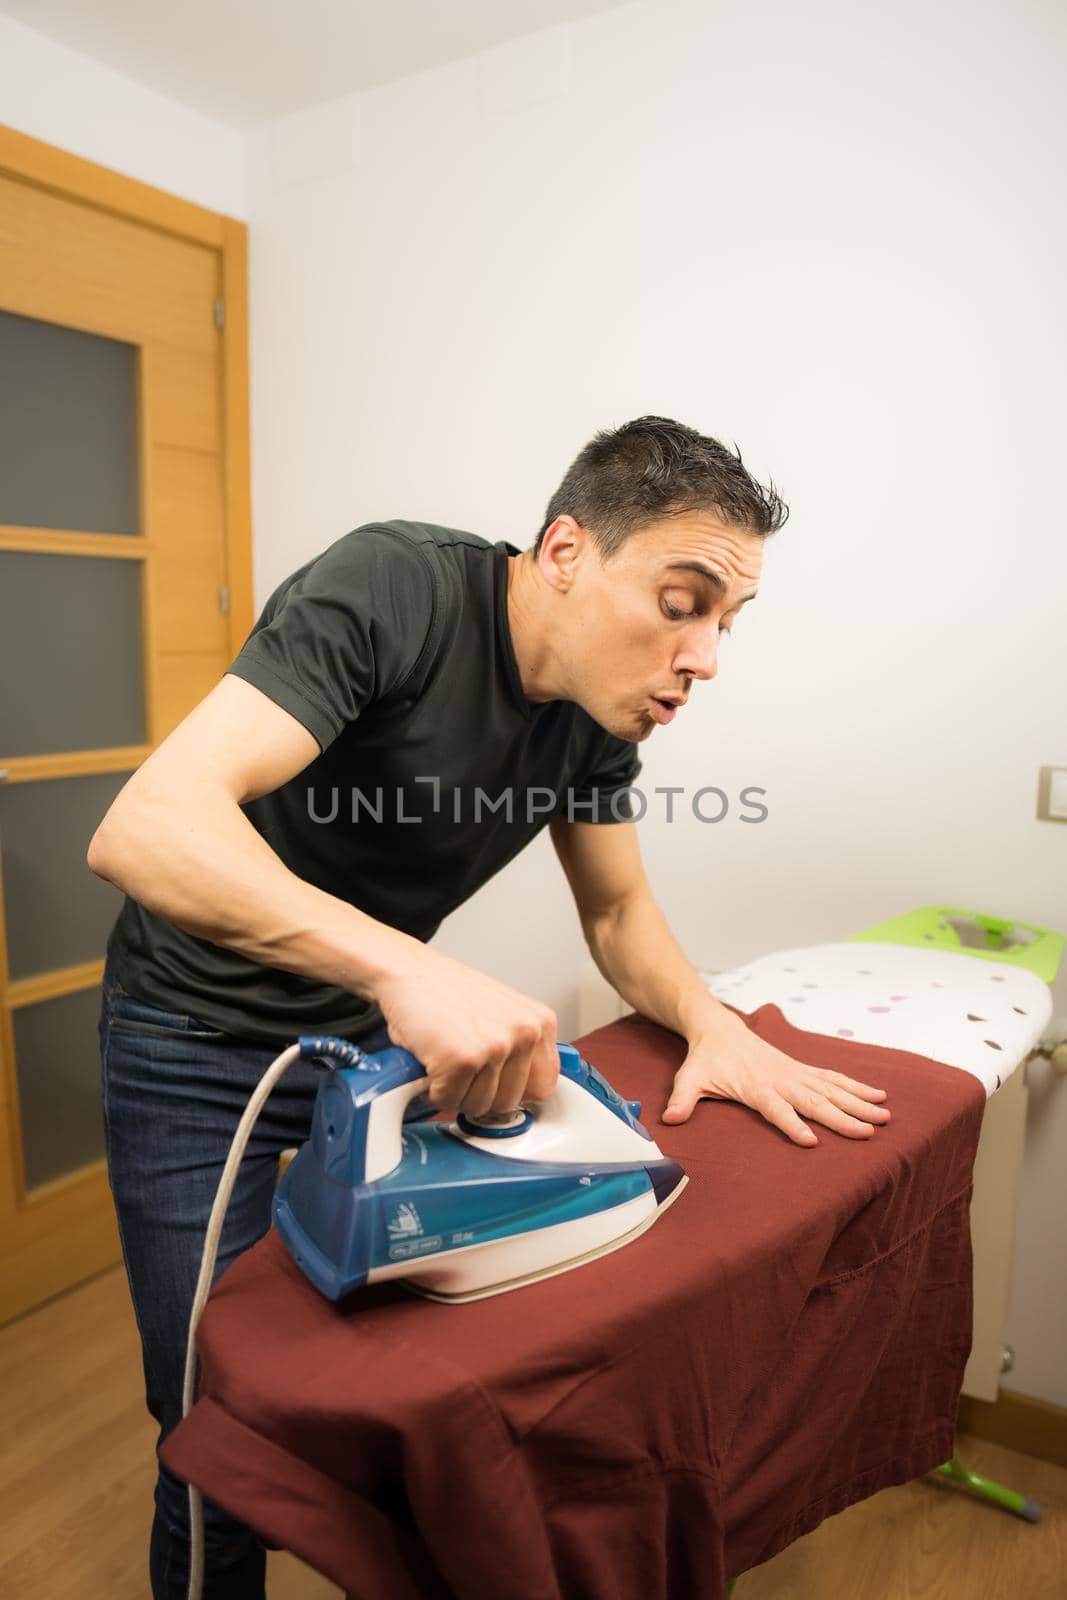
(636, 951)
(195, 859)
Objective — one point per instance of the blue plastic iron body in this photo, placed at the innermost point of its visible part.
(344, 1220)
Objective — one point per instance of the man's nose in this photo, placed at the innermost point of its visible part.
(700, 656)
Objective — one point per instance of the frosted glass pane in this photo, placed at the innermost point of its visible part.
(58, 912)
(68, 428)
(57, 1059)
(70, 653)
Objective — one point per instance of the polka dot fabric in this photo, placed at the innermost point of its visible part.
(983, 1016)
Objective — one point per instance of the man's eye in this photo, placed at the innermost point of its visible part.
(674, 612)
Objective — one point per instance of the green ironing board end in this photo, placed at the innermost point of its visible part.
(931, 928)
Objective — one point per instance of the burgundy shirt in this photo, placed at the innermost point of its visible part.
(788, 1338)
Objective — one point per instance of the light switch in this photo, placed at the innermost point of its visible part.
(1057, 793)
(1052, 794)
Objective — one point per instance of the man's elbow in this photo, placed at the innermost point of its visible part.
(112, 847)
(598, 927)
(132, 833)
(603, 919)
(102, 854)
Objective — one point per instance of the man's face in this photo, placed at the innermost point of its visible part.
(647, 622)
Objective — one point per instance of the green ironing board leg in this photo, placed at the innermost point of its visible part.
(1019, 1504)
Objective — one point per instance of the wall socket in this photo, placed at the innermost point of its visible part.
(1052, 794)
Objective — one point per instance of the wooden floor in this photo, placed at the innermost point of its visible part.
(77, 1470)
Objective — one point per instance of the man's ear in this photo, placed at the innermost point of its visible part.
(564, 546)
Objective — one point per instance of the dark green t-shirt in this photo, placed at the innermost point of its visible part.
(393, 649)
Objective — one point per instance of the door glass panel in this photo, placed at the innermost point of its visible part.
(70, 653)
(58, 912)
(58, 1067)
(68, 428)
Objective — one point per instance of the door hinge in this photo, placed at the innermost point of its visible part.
(220, 313)
(224, 599)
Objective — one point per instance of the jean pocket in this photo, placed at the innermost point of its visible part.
(129, 1015)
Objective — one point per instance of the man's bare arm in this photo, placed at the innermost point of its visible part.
(176, 841)
(634, 948)
(628, 936)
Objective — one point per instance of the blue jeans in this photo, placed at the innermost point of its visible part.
(173, 1093)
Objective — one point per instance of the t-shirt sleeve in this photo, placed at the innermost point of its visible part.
(352, 626)
(603, 795)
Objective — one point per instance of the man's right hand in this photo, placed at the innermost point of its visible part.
(485, 1047)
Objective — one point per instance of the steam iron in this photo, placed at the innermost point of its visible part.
(462, 1210)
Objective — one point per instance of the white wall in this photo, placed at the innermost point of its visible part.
(831, 235)
(66, 99)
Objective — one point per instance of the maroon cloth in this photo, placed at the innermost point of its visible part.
(788, 1338)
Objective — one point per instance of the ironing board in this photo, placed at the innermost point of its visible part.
(790, 1338)
(913, 984)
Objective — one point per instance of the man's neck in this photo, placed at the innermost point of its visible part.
(528, 623)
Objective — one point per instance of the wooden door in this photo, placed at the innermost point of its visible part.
(124, 592)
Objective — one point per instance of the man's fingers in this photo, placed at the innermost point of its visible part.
(777, 1110)
(679, 1107)
(543, 1063)
(854, 1103)
(511, 1086)
(863, 1090)
(815, 1104)
(481, 1091)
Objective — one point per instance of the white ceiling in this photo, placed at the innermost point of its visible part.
(245, 61)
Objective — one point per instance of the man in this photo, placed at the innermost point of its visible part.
(383, 744)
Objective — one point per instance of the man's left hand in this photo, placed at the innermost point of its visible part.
(738, 1065)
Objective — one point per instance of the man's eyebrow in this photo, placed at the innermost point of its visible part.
(712, 576)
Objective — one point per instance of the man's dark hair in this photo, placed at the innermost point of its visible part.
(651, 468)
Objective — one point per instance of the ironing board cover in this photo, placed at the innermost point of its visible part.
(984, 1016)
(789, 1338)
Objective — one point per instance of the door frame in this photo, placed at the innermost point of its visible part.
(51, 168)
(79, 1209)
